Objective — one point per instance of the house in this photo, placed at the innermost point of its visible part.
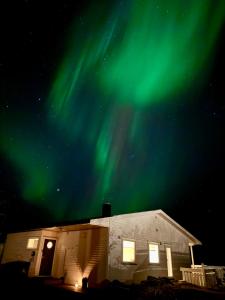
(126, 247)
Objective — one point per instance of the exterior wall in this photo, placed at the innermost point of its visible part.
(16, 249)
(96, 252)
(1, 250)
(77, 254)
(81, 254)
(144, 228)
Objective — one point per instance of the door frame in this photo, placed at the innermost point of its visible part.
(169, 261)
(41, 252)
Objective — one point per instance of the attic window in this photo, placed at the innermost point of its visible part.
(32, 243)
(128, 251)
(153, 253)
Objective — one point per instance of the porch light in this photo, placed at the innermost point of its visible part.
(76, 285)
(49, 245)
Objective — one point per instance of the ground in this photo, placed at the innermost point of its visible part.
(44, 288)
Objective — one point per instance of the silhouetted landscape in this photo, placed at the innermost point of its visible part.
(16, 284)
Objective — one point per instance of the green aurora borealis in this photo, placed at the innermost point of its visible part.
(113, 125)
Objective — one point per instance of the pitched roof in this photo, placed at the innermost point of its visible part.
(192, 239)
(86, 224)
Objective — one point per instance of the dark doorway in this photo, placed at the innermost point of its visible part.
(47, 257)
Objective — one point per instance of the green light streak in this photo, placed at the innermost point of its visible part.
(124, 64)
(34, 166)
(141, 54)
(165, 46)
(35, 177)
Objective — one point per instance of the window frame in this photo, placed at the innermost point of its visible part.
(129, 262)
(33, 238)
(149, 256)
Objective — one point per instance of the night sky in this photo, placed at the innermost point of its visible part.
(113, 101)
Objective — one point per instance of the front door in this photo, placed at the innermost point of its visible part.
(47, 257)
(169, 262)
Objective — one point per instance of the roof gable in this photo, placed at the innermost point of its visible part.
(192, 240)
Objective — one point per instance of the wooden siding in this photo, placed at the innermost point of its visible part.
(77, 254)
(144, 228)
(81, 254)
(16, 249)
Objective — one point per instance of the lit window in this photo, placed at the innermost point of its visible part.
(154, 253)
(128, 251)
(32, 243)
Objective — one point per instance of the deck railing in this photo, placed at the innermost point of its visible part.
(201, 276)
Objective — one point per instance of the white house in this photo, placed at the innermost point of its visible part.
(127, 247)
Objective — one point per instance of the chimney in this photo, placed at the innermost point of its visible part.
(106, 210)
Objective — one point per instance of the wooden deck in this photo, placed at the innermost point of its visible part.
(204, 276)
